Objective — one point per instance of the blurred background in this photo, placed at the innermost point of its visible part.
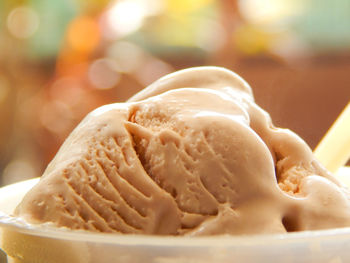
(60, 59)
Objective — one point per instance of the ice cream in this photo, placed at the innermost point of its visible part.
(192, 154)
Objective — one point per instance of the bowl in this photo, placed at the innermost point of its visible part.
(28, 243)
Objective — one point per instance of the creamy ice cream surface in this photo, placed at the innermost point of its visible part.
(192, 154)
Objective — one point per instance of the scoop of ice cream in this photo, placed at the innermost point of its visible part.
(192, 154)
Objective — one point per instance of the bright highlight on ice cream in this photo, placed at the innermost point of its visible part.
(192, 154)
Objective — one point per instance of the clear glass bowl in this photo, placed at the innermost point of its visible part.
(29, 243)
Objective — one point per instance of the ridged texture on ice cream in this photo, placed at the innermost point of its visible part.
(192, 154)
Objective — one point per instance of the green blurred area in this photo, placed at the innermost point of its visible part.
(53, 17)
(325, 24)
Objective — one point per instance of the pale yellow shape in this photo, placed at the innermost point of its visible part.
(334, 149)
(343, 175)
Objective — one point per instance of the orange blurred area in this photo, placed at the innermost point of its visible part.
(82, 39)
(83, 34)
(62, 59)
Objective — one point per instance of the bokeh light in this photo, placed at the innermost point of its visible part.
(104, 73)
(271, 13)
(83, 34)
(126, 16)
(128, 56)
(50, 112)
(67, 90)
(153, 70)
(22, 22)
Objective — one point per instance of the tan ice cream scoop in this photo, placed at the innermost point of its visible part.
(191, 154)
